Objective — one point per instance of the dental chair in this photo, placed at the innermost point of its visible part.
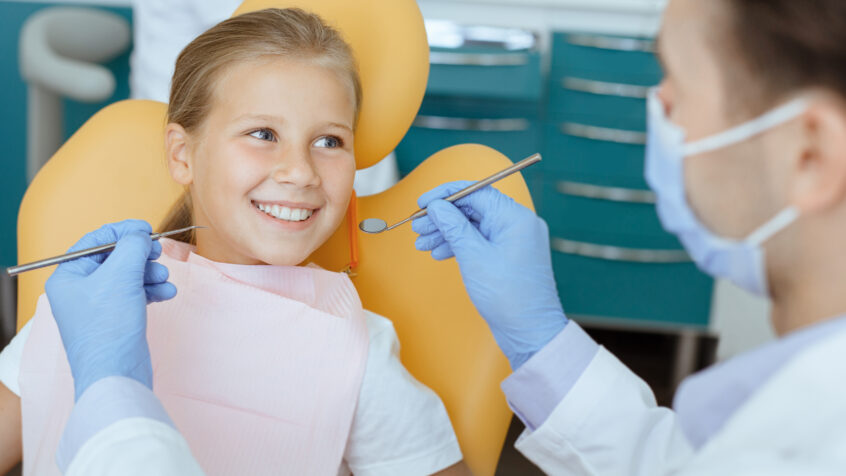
(114, 168)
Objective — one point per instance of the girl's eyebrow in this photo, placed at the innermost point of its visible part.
(261, 117)
(339, 126)
(272, 118)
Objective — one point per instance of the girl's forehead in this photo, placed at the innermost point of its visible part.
(272, 85)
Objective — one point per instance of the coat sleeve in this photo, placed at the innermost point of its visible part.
(608, 424)
(119, 427)
(135, 446)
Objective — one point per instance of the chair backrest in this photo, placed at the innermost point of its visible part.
(114, 168)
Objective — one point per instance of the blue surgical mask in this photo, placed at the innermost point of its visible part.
(739, 261)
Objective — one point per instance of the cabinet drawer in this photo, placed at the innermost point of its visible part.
(501, 75)
(516, 137)
(620, 103)
(600, 287)
(605, 58)
(584, 153)
(604, 215)
(479, 61)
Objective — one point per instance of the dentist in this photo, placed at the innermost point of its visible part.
(747, 157)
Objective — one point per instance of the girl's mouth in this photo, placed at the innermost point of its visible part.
(285, 214)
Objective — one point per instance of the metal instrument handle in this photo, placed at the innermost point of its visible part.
(533, 159)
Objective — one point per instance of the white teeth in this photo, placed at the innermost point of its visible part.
(285, 213)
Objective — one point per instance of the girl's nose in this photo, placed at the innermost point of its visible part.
(296, 168)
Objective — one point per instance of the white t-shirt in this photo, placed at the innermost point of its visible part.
(400, 426)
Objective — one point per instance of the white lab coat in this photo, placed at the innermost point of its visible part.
(135, 447)
(608, 424)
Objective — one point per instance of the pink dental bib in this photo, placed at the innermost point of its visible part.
(258, 366)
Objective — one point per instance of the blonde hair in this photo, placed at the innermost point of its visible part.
(274, 32)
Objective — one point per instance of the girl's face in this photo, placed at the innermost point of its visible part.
(271, 168)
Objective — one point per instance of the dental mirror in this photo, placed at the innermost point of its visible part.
(373, 225)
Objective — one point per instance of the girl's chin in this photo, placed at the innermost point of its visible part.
(274, 258)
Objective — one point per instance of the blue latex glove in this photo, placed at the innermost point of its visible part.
(100, 304)
(502, 249)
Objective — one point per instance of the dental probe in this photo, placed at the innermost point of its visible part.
(377, 225)
(15, 270)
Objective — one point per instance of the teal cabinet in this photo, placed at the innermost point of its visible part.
(510, 127)
(592, 288)
(613, 260)
(579, 151)
(605, 58)
(467, 73)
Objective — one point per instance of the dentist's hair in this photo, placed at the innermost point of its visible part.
(786, 46)
(265, 34)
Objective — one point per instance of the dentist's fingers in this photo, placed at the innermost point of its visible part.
(429, 242)
(442, 191)
(155, 273)
(442, 252)
(155, 251)
(159, 292)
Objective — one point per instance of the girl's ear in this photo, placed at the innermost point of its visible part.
(178, 151)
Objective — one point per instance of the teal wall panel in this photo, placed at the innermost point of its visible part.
(13, 116)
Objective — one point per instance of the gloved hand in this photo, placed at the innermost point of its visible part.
(100, 304)
(502, 249)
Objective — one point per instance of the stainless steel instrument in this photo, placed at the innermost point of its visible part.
(15, 270)
(377, 225)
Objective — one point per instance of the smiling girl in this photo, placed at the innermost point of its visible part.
(265, 365)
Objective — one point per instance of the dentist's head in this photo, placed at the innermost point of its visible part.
(748, 146)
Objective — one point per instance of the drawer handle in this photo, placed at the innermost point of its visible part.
(609, 43)
(478, 59)
(613, 194)
(605, 89)
(473, 125)
(616, 253)
(604, 134)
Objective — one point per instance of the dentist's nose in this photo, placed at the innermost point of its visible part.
(296, 167)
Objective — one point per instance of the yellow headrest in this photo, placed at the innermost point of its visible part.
(388, 39)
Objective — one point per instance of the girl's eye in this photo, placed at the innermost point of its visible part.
(330, 142)
(263, 134)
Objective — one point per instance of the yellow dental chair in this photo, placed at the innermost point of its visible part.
(114, 168)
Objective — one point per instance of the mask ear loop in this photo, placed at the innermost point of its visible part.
(352, 230)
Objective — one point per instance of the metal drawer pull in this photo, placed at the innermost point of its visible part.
(606, 89)
(615, 253)
(609, 43)
(475, 125)
(604, 134)
(478, 59)
(614, 194)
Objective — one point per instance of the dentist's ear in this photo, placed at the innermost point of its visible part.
(178, 152)
(821, 168)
